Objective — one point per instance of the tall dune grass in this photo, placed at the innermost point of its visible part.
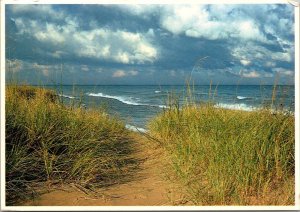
(47, 141)
(229, 157)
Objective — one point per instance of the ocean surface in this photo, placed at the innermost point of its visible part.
(136, 105)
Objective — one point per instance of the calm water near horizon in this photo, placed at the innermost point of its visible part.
(136, 105)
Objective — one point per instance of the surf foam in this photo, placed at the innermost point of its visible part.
(243, 97)
(236, 106)
(66, 96)
(125, 100)
(135, 129)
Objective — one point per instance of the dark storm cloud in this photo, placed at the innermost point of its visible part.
(149, 44)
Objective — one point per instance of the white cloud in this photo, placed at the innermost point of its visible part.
(51, 34)
(133, 72)
(57, 54)
(245, 62)
(244, 73)
(249, 30)
(270, 64)
(249, 74)
(105, 44)
(119, 46)
(26, 67)
(122, 73)
(85, 68)
(216, 23)
(255, 52)
(122, 57)
(99, 70)
(193, 21)
(119, 73)
(219, 21)
(284, 72)
(42, 68)
(13, 65)
(142, 10)
(282, 56)
(242, 28)
(151, 33)
(45, 72)
(41, 10)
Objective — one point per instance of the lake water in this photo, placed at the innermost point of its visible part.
(137, 104)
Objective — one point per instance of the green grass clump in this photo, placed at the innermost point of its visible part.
(47, 141)
(229, 157)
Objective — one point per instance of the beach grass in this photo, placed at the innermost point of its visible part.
(50, 142)
(217, 156)
(228, 157)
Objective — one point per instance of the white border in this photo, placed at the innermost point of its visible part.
(146, 208)
(147, 2)
(297, 106)
(2, 106)
(154, 208)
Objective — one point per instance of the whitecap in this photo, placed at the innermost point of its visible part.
(161, 106)
(125, 100)
(243, 97)
(236, 106)
(157, 91)
(135, 129)
(66, 96)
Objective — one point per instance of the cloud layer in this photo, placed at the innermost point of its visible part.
(149, 44)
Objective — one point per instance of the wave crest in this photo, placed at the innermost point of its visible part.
(125, 100)
(135, 129)
(66, 96)
(243, 97)
(236, 106)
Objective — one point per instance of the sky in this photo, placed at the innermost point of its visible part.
(150, 44)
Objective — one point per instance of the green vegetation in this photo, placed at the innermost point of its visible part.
(47, 141)
(218, 156)
(229, 157)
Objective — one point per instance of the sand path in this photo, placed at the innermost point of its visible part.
(146, 188)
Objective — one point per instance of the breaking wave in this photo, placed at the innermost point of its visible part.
(125, 100)
(243, 97)
(66, 96)
(236, 106)
(135, 129)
